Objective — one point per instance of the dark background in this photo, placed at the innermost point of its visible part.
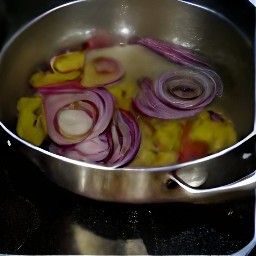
(37, 217)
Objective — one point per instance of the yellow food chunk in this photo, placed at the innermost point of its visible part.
(69, 61)
(167, 136)
(123, 92)
(218, 134)
(31, 125)
(167, 158)
(160, 142)
(144, 158)
(46, 78)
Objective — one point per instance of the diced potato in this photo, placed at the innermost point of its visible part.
(166, 158)
(46, 78)
(144, 158)
(31, 125)
(68, 62)
(218, 134)
(123, 93)
(168, 135)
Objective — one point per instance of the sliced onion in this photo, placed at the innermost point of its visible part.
(95, 150)
(115, 147)
(97, 103)
(172, 52)
(216, 116)
(126, 138)
(148, 103)
(189, 89)
(74, 122)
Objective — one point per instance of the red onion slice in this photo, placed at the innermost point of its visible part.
(189, 89)
(172, 52)
(147, 102)
(115, 147)
(97, 103)
(95, 150)
(126, 138)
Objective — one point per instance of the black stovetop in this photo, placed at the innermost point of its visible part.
(38, 217)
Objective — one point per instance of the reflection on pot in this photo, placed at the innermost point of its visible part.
(86, 242)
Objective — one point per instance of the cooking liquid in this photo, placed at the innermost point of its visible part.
(161, 142)
(161, 139)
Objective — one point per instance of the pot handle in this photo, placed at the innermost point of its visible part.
(246, 183)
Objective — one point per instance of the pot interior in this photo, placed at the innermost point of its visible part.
(214, 37)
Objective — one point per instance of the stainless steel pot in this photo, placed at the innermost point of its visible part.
(221, 42)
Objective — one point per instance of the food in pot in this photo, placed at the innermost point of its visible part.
(31, 124)
(143, 103)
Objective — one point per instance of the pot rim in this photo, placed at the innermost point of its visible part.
(133, 169)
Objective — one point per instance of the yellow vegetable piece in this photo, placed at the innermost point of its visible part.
(144, 158)
(167, 158)
(217, 134)
(46, 78)
(168, 135)
(160, 143)
(124, 92)
(68, 62)
(31, 125)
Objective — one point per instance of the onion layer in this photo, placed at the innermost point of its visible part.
(126, 138)
(115, 147)
(188, 89)
(174, 53)
(148, 103)
(97, 103)
(94, 150)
